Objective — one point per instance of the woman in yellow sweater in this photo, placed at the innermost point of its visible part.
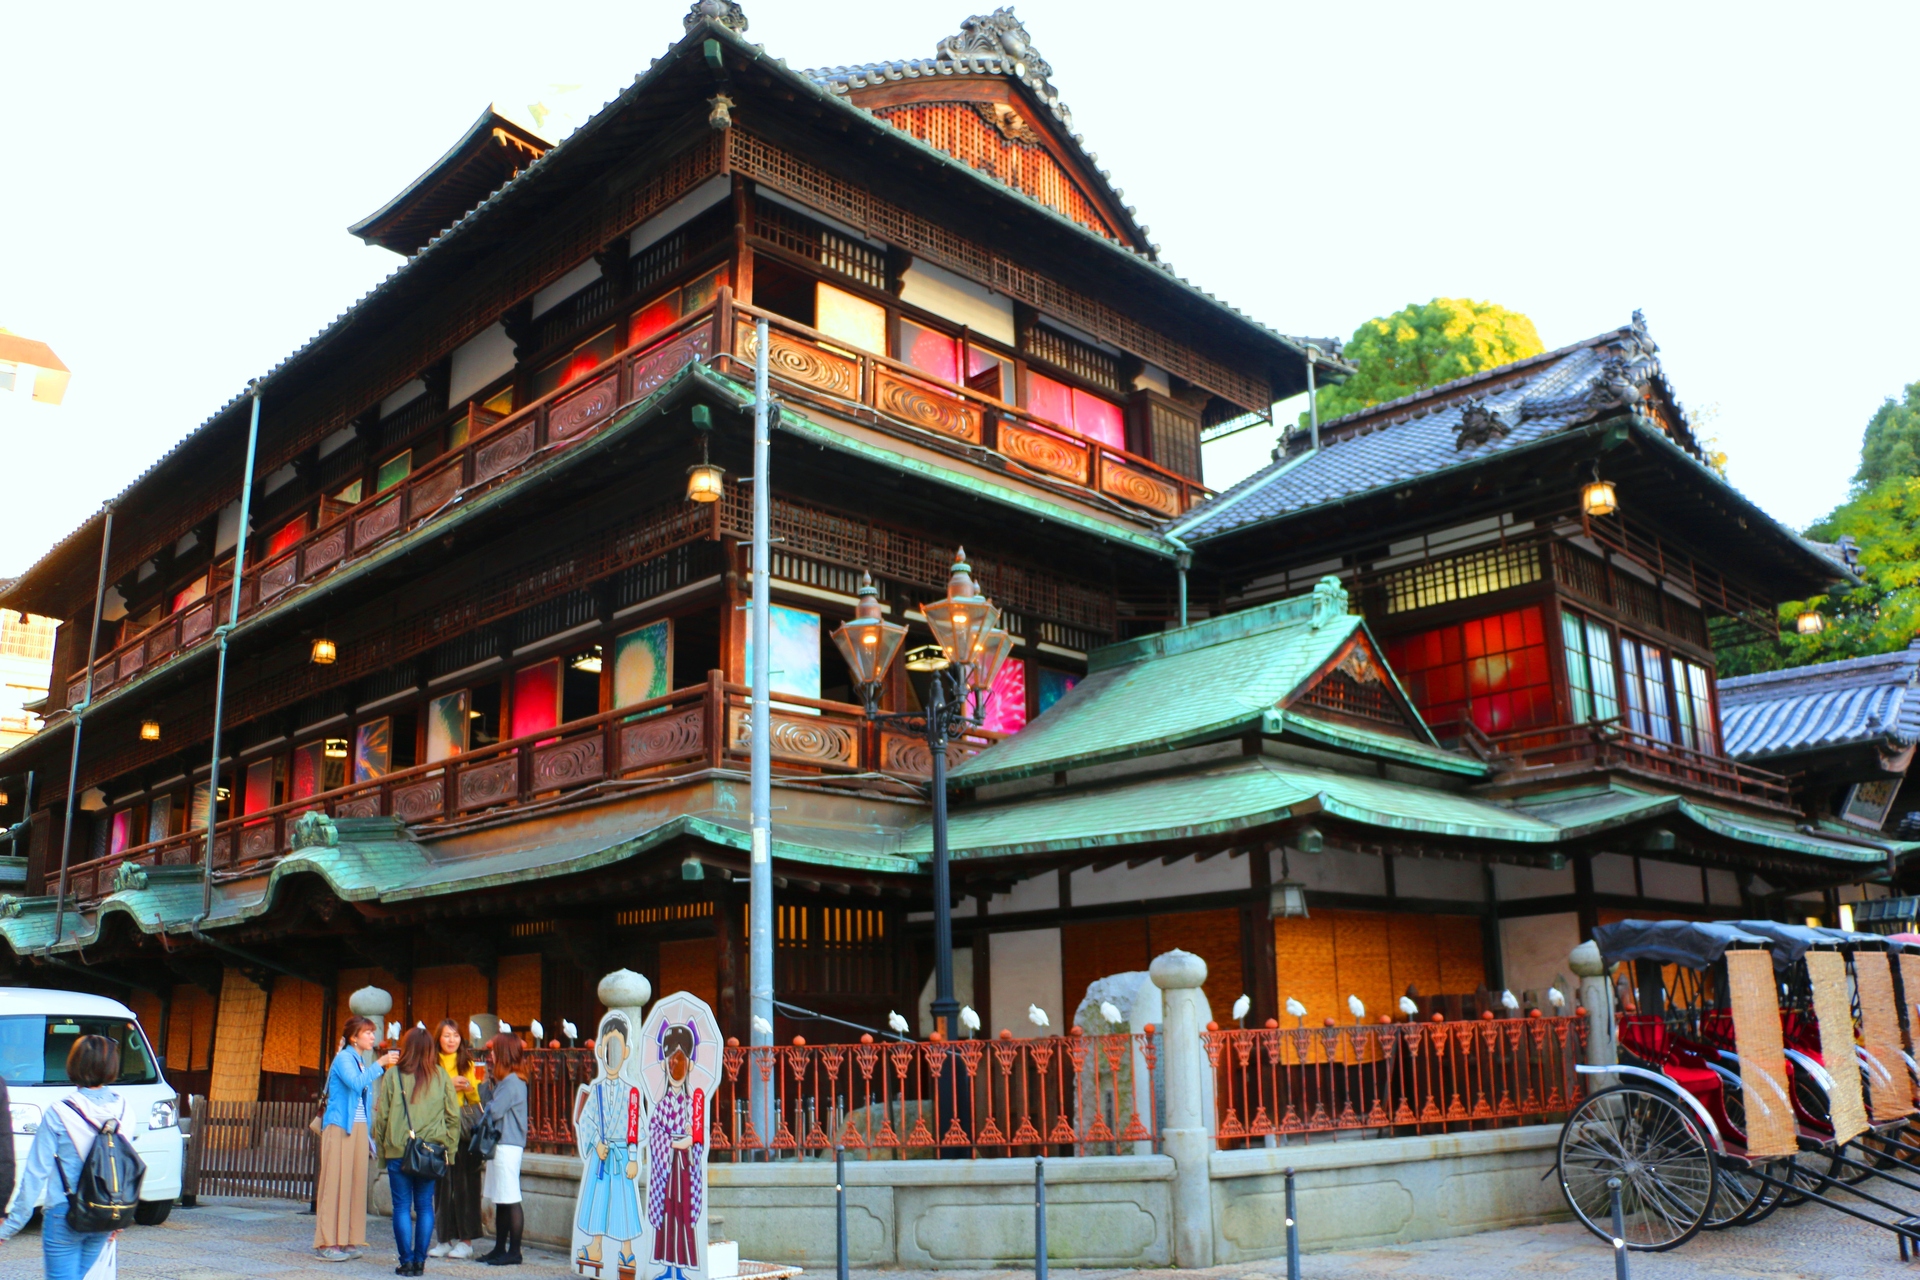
(456, 1207)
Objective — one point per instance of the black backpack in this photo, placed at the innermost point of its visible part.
(108, 1193)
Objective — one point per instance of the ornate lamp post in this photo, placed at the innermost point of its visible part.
(961, 667)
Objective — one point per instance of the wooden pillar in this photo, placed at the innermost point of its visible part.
(741, 264)
(1490, 960)
(1584, 904)
(982, 944)
(1258, 964)
(730, 959)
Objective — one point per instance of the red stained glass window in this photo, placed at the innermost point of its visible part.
(289, 533)
(929, 351)
(653, 319)
(259, 792)
(1005, 710)
(1493, 668)
(536, 699)
(1071, 407)
(306, 771)
(1049, 399)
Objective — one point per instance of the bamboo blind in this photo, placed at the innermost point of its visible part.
(1890, 1091)
(1834, 1009)
(238, 1034)
(519, 987)
(1910, 984)
(1763, 1059)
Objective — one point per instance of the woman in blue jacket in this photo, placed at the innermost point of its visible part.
(346, 1144)
(66, 1132)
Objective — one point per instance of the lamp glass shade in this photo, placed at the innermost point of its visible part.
(704, 482)
(149, 731)
(869, 642)
(324, 652)
(961, 620)
(1810, 623)
(989, 657)
(1597, 498)
(1288, 900)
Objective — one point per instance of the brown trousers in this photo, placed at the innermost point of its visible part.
(340, 1205)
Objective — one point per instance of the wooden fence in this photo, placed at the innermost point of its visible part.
(260, 1149)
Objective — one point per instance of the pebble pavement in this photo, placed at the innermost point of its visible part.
(244, 1239)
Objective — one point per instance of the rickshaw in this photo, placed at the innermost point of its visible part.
(1727, 1106)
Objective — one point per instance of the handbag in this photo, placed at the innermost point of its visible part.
(484, 1137)
(420, 1158)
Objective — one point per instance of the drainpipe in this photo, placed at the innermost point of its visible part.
(220, 667)
(1183, 562)
(79, 717)
(1313, 398)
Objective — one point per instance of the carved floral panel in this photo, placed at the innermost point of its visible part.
(278, 576)
(798, 360)
(197, 624)
(584, 411)
(419, 801)
(327, 549)
(567, 764)
(434, 490)
(1139, 487)
(509, 451)
(652, 368)
(377, 523)
(801, 739)
(257, 841)
(1044, 451)
(915, 402)
(367, 806)
(662, 739)
(492, 783)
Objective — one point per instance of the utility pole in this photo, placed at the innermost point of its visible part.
(760, 766)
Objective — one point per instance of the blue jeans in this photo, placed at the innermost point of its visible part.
(67, 1254)
(412, 1214)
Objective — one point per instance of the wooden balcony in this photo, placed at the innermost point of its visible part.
(687, 732)
(805, 363)
(1567, 750)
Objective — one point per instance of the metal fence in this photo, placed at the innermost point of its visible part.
(1412, 1077)
(261, 1149)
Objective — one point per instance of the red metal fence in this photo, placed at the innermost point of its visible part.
(1415, 1077)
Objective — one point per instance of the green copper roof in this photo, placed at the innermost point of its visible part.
(1199, 683)
(1386, 746)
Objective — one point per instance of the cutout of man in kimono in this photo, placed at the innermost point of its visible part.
(609, 1118)
(681, 1064)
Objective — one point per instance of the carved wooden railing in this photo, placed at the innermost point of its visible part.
(497, 449)
(700, 727)
(1609, 743)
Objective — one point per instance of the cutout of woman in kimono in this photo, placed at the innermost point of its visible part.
(607, 1118)
(677, 1151)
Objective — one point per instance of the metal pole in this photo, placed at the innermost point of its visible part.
(760, 764)
(946, 1010)
(1313, 398)
(1293, 1233)
(220, 661)
(1183, 562)
(1039, 1218)
(79, 717)
(1619, 1233)
(840, 1207)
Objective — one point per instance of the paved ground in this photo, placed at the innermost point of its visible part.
(239, 1239)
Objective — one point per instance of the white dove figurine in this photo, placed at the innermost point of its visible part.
(473, 1031)
(1037, 1016)
(393, 1031)
(1295, 1009)
(761, 1025)
(898, 1023)
(1408, 1007)
(1241, 1006)
(539, 1032)
(506, 1028)
(569, 1030)
(968, 1018)
(1555, 998)
(1509, 1001)
(1111, 1012)
(1357, 1009)
(421, 1025)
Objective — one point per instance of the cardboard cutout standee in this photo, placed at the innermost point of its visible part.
(609, 1123)
(679, 1053)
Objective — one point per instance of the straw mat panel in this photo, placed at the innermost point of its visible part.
(1890, 1090)
(1833, 1007)
(1771, 1130)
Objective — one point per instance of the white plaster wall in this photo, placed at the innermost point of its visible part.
(1439, 878)
(1723, 887)
(959, 300)
(1154, 880)
(566, 286)
(1331, 871)
(332, 444)
(680, 212)
(1533, 949)
(1025, 969)
(275, 480)
(227, 531)
(1670, 880)
(1613, 873)
(404, 396)
(479, 360)
(962, 989)
(1510, 882)
(1037, 893)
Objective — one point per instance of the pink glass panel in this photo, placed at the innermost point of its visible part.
(929, 352)
(536, 699)
(1006, 709)
(120, 835)
(1049, 399)
(306, 772)
(654, 318)
(259, 787)
(1099, 419)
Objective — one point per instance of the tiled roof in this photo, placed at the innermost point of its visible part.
(1830, 704)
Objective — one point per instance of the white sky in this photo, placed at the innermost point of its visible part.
(180, 177)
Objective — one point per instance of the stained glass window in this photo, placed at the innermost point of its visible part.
(160, 818)
(288, 534)
(1054, 686)
(642, 663)
(1005, 710)
(930, 351)
(536, 699)
(121, 834)
(393, 471)
(1071, 407)
(447, 726)
(1495, 669)
(373, 750)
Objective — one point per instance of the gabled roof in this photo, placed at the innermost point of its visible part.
(487, 156)
(1851, 702)
(1209, 682)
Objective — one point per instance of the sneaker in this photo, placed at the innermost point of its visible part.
(333, 1253)
(463, 1249)
(440, 1250)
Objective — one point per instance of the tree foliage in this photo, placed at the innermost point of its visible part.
(1891, 447)
(1425, 344)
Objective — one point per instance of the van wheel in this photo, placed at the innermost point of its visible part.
(151, 1213)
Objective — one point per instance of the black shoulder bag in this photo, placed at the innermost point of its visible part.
(420, 1158)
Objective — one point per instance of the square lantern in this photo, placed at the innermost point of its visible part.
(989, 656)
(869, 642)
(961, 621)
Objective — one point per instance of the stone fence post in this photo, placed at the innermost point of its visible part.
(1184, 1136)
(1596, 995)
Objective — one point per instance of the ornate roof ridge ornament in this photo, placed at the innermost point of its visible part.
(997, 33)
(727, 13)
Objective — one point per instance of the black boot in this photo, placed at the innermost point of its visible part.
(499, 1249)
(513, 1221)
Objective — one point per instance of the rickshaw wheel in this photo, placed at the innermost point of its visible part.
(1771, 1197)
(1736, 1199)
(1799, 1171)
(1657, 1151)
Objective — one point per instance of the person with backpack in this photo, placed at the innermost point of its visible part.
(79, 1142)
(416, 1126)
(340, 1193)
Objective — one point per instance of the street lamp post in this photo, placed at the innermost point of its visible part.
(961, 668)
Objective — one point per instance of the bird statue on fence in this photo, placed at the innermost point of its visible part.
(539, 1033)
(1355, 1008)
(1556, 999)
(1241, 1006)
(968, 1018)
(393, 1031)
(762, 1026)
(1037, 1016)
(898, 1023)
(1408, 1007)
(569, 1030)
(421, 1025)
(1509, 1001)
(473, 1031)
(506, 1028)
(1111, 1012)
(1295, 1010)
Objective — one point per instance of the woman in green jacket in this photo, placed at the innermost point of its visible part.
(415, 1098)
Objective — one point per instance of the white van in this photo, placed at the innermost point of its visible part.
(37, 1027)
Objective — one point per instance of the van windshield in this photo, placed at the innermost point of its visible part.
(33, 1048)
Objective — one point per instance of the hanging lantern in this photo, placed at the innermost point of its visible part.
(1288, 899)
(324, 652)
(704, 480)
(1809, 623)
(3, 794)
(335, 749)
(989, 655)
(149, 731)
(1597, 497)
(961, 620)
(869, 642)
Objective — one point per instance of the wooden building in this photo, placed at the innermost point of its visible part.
(485, 631)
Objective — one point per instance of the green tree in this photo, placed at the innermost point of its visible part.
(1891, 446)
(1423, 345)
